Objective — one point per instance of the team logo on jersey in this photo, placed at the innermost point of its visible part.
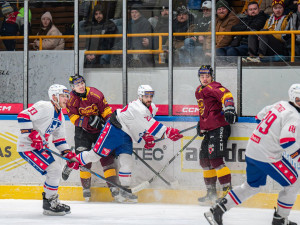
(211, 149)
(105, 151)
(255, 138)
(148, 118)
(90, 110)
(292, 129)
(53, 125)
(201, 106)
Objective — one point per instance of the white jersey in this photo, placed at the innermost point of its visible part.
(44, 118)
(136, 120)
(278, 131)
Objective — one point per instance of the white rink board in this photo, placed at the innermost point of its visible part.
(185, 168)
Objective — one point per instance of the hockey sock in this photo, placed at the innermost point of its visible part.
(109, 169)
(210, 177)
(85, 177)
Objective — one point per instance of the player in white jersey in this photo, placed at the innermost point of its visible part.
(277, 133)
(37, 123)
(132, 124)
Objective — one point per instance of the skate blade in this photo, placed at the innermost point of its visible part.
(50, 213)
(210, 218)
(125, 200)
(68, 212)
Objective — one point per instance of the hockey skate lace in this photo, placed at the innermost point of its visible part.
(54, 201)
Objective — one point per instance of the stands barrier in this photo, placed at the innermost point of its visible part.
(159, 35)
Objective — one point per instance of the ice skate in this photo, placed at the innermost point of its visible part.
(278, 220)
(126, 197)
(66, 172)
(115, 193)
(209, 198)
(53, 207)
(87, 194)
(214, 216)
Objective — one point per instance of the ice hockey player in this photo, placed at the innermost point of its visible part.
(277, 132)
(214, 126)
(88, 110)
(37, 124)
(134, 123)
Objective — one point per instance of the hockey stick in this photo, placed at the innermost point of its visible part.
(146, 164)
(92, 172)
(146, 183)
(182, 131)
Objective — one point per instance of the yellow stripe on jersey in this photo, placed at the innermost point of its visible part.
(110, 173)
(85, 175)
(223, 172)
(209, 173)
(87, 93)
(73, 118)
(225, 96)
(106, 112)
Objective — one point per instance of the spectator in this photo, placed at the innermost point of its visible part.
(48, 28)
(272, 44)
(192, 50)
(224, 22)
(194, 7)
(10, 25)
(162, 25)
(266, 6)
(255, 20)
(294, 24)
(139, 24)
(84, 12)
(184, 20)
(21, 14)
(99, 25)
(290, 6)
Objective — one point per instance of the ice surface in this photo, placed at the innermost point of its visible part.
(30, 212)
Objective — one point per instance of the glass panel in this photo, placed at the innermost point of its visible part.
(11, 58)
(256, 79)
(147, 53)
(51, 60)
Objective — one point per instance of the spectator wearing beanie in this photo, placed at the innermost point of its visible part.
(10, 26)
(48, 28)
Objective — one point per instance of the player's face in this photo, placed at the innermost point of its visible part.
(205, 79)
(63, 98)
(80, 87)
(147, 100)
(297, 100)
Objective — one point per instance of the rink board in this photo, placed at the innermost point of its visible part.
(16, 174)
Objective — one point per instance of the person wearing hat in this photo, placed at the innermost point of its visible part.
(225, 20)
(271, 44)
(139, 24)
(10, 26)
(162, 25)
(192, 51)
(99, 25)
(47, 28)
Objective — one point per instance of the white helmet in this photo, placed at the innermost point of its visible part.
(294, 92)
(145, 90)
(57, 89)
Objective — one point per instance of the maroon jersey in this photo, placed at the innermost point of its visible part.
(80, 109)
(210, 100)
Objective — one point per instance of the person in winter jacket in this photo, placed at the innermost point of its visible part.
(254, 21)
(48, 28)
(99, 25)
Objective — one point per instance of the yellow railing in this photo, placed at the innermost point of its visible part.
(159, 35)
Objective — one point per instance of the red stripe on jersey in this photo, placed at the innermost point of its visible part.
(36, 160)
(235, 201)
(25, 116)
(59, 140)
(285, 171)
(152, 128)
(285, 140)
(101, 138)
(150, 109)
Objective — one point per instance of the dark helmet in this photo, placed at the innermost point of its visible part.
(76, 79)
(206, 69)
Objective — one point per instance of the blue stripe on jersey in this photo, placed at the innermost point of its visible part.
(157, 129)
(288, 144)
(22, 120)
(60, 143)
(236, 197)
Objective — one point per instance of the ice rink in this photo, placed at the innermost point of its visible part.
(30, 212)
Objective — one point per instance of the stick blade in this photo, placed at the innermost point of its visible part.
(140, 187)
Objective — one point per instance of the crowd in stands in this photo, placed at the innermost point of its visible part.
(151, 16)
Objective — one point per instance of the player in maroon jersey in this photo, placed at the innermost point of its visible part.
(214, 126)
(88, 110)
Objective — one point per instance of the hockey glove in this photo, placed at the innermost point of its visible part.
(173, 134)
(230, 115)
(37, 141)
(73, 162)
(149, 141)
(96, 122)
(201, 134)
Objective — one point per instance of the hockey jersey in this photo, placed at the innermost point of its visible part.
(136, 120)
(46, 119)
(278, 131)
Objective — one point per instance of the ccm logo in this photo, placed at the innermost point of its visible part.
(5, 108)
(190, 110)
